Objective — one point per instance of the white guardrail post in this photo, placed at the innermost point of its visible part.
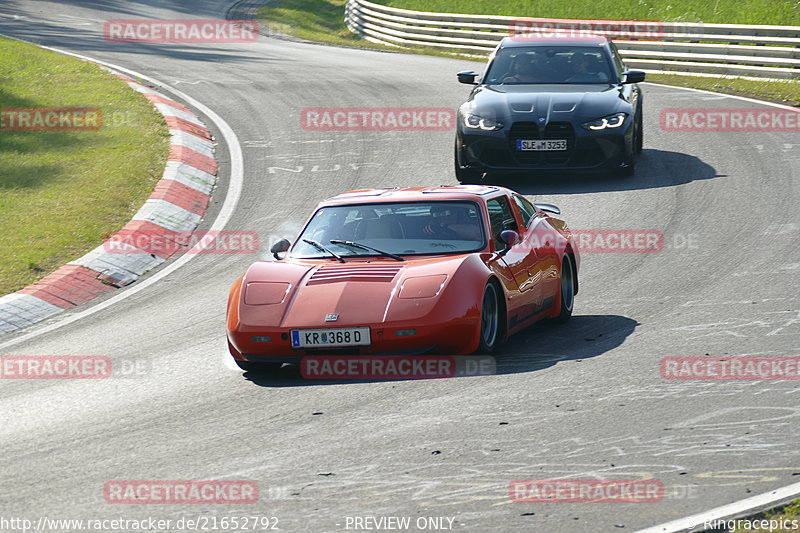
(759, 51)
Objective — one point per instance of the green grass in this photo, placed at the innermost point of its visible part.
(323, 21)
(315, 20)
(783, 92)
(786, 13)
(788, 515)
(61, 193)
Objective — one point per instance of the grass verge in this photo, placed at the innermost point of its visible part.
(782, 92)
(716, 12)
(62, 192)
(785, 519)
(323, 21)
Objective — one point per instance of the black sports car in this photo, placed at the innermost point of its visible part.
(550, 104)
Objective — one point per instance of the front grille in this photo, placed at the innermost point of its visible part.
(338, 274)
(559, 130)
(530, 130)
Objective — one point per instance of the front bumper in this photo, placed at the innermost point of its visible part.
(266, 344)
(586, 150)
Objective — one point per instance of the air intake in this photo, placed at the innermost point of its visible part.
(339, 274)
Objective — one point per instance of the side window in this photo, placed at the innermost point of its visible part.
(618, 64)
(526, 209)
(501, 218)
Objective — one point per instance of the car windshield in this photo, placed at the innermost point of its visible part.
(403, 228)
(549, 64)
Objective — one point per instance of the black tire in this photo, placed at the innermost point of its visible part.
(258, 367)
(638, 142)
(491, 313)
(566, 293)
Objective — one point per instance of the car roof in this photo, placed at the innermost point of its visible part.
(416, 194)
(522, 40)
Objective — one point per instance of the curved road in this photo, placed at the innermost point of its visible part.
(582, 400)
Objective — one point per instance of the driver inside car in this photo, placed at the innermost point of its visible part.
(525, 68)
(452, 222)
(585, 69)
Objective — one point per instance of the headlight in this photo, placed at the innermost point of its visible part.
(476, 122)
(611, 121)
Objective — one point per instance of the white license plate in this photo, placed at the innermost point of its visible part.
(330, 337)
(542, 145)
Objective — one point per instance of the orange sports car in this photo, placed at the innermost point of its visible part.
(437, 270)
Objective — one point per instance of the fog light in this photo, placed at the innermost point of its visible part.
(405, 332)
(265, 338)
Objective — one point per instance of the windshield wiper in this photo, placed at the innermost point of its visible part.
(365, 247)
(318, 246)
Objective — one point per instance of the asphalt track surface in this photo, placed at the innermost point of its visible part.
(583, 400)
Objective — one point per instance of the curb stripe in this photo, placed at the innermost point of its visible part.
(177, 204)
(190, 176)
(149, 233)
(190, 157)
(175, 123)
(158, 99)
(171, 111)
(68, 286)
(193, 142)
(179, 194)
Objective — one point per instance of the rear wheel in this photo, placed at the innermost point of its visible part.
(490, 318)
(567, 293)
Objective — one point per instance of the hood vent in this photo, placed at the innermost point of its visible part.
(362, 272)
(522, 107)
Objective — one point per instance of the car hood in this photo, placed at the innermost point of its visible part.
(553, 103)
(357, 292)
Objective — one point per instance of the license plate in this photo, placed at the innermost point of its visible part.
(541, 145)
(331, 337)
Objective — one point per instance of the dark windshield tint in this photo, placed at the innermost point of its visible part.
(549, 64)
(407, 228)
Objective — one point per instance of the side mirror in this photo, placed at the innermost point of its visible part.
(550, 208)
(633, 76)
(467, 76)
(280, 247)
(509, 238)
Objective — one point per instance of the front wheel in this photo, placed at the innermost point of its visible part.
(465, 175)
(639, 142)
(567, 294)
(630, 163)
(490, 319)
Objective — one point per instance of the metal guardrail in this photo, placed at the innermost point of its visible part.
(758, 51)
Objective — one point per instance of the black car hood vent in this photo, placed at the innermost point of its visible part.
(522, 107)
